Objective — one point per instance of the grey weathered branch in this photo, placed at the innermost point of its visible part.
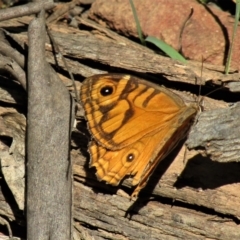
(49, 180)
(218, 132)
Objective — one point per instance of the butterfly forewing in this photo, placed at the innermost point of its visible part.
(133, 109)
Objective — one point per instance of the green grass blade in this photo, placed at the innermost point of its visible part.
(139, 30)
(229, 58)
(171, 52)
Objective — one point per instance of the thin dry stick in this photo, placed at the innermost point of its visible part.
(27, 9)
(58, 51)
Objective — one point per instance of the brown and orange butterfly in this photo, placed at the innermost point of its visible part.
(134, 124)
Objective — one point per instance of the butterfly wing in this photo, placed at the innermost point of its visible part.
(134, 125)
(121, 109)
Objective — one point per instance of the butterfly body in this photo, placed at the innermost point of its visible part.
(134, 124)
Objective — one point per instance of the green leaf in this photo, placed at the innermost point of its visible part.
(171, 52)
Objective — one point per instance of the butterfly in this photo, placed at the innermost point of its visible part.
(134, 124)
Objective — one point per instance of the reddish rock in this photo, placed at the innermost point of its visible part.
(206, 34)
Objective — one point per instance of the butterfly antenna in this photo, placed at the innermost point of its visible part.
(200, 85)
(200, 99)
